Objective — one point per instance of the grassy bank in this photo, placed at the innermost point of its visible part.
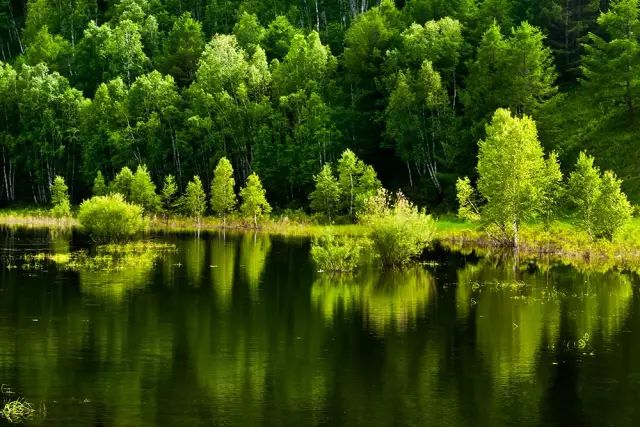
(559, 241)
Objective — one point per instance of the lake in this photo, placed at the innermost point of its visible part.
(240, 330)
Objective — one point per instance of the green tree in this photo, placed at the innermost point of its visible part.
(230, 103)
(254, 199)
(49, 111)
(325, 198)
(439, 42)
(357, 182)
(468, 203)
(194, 200)
(611, 66)
(420, 120)
(553, 188)
(99, 186)
(168, 194)
(515, 72)
(601, 207)
(307, 60)
(223, 195)
(278, 37)
(612, 209)
(122, 183)
(143, 190)
(52, 50)
(153, 104)
(512, 174)
(182, 49)
(60, 198)
(248, 32)
(584, 187)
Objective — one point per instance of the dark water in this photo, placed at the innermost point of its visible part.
(244, 332)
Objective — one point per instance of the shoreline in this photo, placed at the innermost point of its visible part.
(558, 243)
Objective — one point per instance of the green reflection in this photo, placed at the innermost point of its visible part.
(387, 299)
(601, 303)
(223, 258)
(254, 249)
(313, 349)
(518, 312)
(194, 260)
(60, 241)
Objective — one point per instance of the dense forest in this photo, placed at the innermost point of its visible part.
(284, 87)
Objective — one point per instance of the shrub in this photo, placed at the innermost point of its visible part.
(110, 218)
(334, 254)
(400, 231)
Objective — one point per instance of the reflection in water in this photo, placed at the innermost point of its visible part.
(194, 253)
(240, 330)
(388, 300)
(253, 256)
(223, 268)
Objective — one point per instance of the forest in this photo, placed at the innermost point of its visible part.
(283, 88)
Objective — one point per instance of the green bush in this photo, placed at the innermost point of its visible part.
(110, 218)
(334, 254)
(400, 232)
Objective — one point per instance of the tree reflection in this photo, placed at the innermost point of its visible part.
(387, 299)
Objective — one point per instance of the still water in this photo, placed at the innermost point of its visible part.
(241, 330)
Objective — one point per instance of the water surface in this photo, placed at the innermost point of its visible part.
(240, 330)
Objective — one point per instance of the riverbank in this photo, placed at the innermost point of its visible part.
(558, 242)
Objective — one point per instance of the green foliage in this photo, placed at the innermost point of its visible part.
(419, 119)
(121, 184)
(193, 202)
(512, 174)
(601, 208)
(99, 185)
(168, 194)
(143, 191)
(612, 210)
(611, 66)
(182, 49)
(357, 182)
(400, 232)
(248, 31)
(88, 86)
(468, 206)
(584, 188)
(325, 199)
(254, 199)
(336, 254)
(223, 195)
(110, 218)
(515, 72)
(60, 198)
